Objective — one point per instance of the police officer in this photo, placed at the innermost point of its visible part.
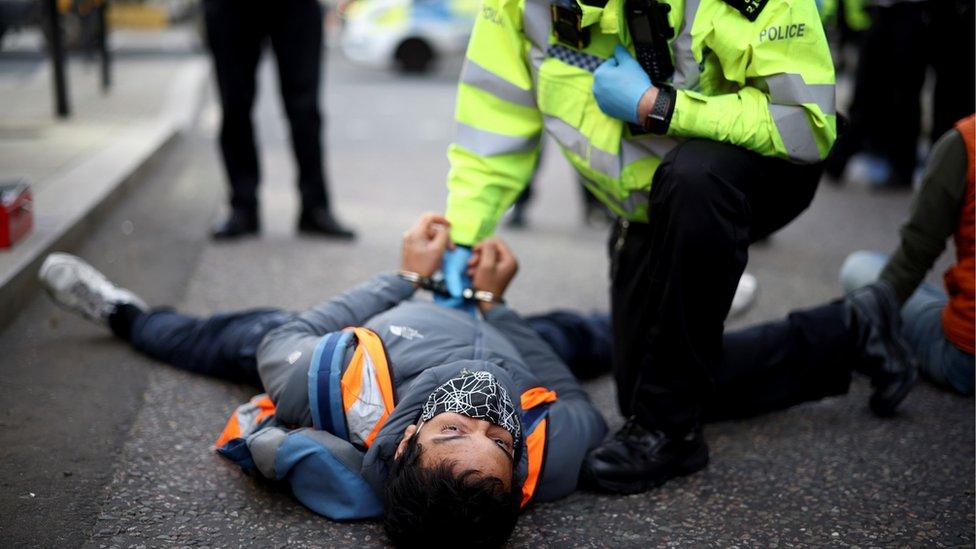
(708, 158)
(236, 33)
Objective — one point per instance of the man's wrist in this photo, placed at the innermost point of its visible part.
(645, 104)
(412, 277)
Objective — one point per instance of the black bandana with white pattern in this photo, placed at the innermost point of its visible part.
(476, 395)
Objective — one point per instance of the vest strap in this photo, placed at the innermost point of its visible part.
(535, 412)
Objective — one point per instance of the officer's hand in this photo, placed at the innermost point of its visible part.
(492, 267)
(424, 244)
(618, 85)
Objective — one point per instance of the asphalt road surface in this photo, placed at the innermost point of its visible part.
(101, 447)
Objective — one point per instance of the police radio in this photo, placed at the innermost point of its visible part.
(650, 32)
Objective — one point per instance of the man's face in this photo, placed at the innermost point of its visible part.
(467, 443)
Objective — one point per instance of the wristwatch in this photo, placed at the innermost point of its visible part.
(659, 118)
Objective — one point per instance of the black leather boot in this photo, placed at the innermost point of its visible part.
(636, 460)
(873, 318)
(239, 223)
(320, 221)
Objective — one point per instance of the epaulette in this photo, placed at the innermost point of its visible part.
(749, 8)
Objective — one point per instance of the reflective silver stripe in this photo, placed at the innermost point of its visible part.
(686, 70)
(537, 23)
(790, 89)
(604, 162)
(632, 150)
(567, 136)
(488, 143)
(571, 138)
(483, 79)
(794, 129)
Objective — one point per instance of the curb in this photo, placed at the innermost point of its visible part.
(71, 201)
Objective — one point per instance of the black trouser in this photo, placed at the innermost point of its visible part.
(237, 31)
(805, 356)
(224, 345)
(672, 279)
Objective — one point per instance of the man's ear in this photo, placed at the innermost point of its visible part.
(407, 433)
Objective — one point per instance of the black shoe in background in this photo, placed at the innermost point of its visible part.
(872, 315)
(320, 221)
(636, 460)
(239, 223)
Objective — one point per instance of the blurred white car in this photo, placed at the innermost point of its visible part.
(408, 35)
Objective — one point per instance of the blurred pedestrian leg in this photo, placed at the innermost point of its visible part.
(885, 113)
(237, 31)
(906, 37)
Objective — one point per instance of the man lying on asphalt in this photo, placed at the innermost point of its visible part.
(448, 421)
(411, 412)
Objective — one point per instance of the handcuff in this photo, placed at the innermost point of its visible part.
(438, 285)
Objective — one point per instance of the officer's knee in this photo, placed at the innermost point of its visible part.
(688, 180)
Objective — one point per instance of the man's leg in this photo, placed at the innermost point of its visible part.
(708, 203)
(955, 85)
(672, 282)
(942, 362)
(224, 345)
(582, 342)
(906, 50)
(809, 355)
(235, 37)
(806, 356)
(297, 38)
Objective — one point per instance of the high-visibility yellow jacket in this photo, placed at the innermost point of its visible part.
(766, 85)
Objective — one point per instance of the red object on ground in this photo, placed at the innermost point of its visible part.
(16, 212)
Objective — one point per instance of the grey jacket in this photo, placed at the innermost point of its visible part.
(426, 345)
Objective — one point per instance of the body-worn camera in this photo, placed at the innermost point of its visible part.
(567, 23)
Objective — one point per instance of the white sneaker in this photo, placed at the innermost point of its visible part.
(80, 288)
(745, 295)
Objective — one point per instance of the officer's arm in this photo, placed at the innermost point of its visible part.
(781, 67)
(496, 147)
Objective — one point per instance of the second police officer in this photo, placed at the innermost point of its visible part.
(711, 141)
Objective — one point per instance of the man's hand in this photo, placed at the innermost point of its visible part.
(619, 84)
(492, 267)
(424, 244)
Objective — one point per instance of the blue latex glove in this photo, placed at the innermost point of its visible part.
(618, 85)
(455, 266)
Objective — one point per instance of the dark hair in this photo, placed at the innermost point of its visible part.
(431, 506)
